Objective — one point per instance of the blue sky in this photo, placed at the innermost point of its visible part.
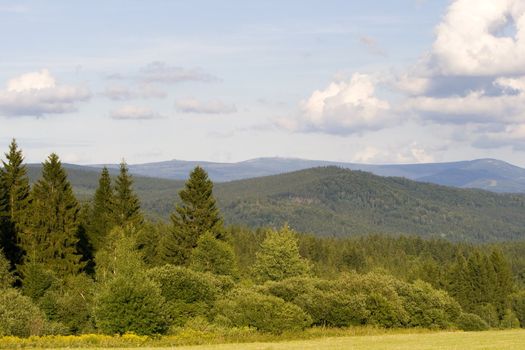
(375, 82)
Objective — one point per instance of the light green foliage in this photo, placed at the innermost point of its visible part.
(126, 205)
(196, 215)
(517, 301)
(14, 200)
(244, 307)
(188, 293)
(127, 300)
(471, 322)
(51, 235)
(279, 258)
(509, 320)
(214, 256)
(18, 315)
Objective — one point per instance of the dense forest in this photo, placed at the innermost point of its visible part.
(101, 266)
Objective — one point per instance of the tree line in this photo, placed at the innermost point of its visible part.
(68, 267)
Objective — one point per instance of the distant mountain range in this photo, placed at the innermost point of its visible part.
(487, 174)
(332, 201)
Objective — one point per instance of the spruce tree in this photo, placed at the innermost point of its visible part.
(126, 205)
(14, 200)
(100, 218)
(50, 238)
(197, 215)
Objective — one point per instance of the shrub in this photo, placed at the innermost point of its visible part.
(130, 304)
(247, 308)
(214, 256)
(509, 320)
(18, 315)
(517, 301)
(187, 293)
(471, 322)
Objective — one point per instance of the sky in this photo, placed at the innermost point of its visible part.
(381, 81)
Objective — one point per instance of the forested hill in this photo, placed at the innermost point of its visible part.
(340, 202)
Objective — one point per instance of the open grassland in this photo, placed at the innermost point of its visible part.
(359, 339)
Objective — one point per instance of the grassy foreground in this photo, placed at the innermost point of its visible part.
(371, 340)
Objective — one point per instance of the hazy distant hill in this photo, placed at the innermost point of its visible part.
(488, 174)
(335, 201)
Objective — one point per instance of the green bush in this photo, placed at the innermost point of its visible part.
(18, 315)
(187, 293)
(248, 308)
(509, 320)
(428, 307)
(130, 304)
(471, 322)
(517, 301)
(214, 256)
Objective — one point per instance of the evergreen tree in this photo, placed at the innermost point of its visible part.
(100, 218)
(502, 283)
(50, 238)
(279, 257)
(14, 200)
(126, 205)
(197, 214)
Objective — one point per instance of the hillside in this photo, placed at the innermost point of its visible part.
(338, 202)
(488, 174)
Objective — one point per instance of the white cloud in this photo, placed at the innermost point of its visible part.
(372, 45)
(471, 38)
(411, 153)
(123, 93)
(160, 72)
(192, 105)
(342, 108)
(38, 94)
(134, 113)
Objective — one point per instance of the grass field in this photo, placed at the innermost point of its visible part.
(493, 340)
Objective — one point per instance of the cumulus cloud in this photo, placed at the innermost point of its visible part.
(472, 40)
(38, 94)
(192, 105)
(343, 108)
(134, 113)
(160, 72)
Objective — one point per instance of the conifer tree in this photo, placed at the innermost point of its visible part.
(14, 200)
(100, 218)
(197, 215)
(50, 238)
(126, 205)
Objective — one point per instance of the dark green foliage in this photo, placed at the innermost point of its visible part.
(196, 215)
(279, 258)
(471, 322)
(509, 320)
(18, 315)
(126, 205)
(214, 256)
(70, 303)
(101, 216)
(51, 235)
(36, 280)
(6, 277)
(14, 200)
(187, 293)
(244, 307)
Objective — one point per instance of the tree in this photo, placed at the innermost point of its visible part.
(14, 200)
(127, 300)
(126, 205)
(213, 255)
(100, 218)
(197, 215)
(6, 277)
(279, 258)
(50, 238)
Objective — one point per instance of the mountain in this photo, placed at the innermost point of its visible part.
(488, 174)
(333, 201)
